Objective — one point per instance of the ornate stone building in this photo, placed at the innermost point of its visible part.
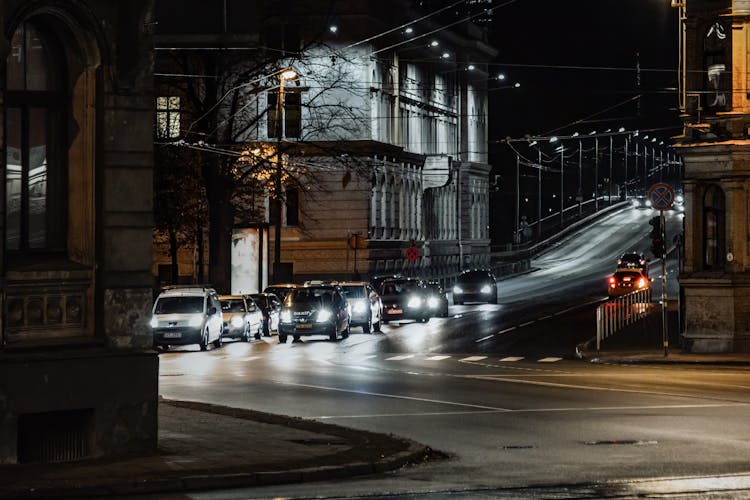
(384, 129)
(716, 150)
(77, 376)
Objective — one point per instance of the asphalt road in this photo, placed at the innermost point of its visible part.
(496, 388)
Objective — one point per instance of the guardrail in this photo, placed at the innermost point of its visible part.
(616, 314)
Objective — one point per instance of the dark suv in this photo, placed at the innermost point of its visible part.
(404, 298)
(314, 310)
(477, 285)
(633, 260)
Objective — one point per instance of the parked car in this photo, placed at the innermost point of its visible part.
(437, 300)
(184, 315)
(270, 308)
(315, 310)
(365, 303)
(404, 298)
(280, 289)
(242, 317)
(625, 281)
(477, 285)
(633, 260)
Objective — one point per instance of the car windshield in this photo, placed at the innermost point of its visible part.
(232, 305)
(354, 291)
(179, 305)
(475, 276)
(261, 300)
(313, 296)
(397, 287)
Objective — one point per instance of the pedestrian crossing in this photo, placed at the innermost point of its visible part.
(470, 359)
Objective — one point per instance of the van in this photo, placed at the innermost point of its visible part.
(185, 315)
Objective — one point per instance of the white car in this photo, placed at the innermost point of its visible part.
(242, 317)
(366, 306)
(184, 315)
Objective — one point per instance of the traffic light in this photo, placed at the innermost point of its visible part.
(658, 246)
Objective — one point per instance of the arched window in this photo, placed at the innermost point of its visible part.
(36, 173)
(713, 229)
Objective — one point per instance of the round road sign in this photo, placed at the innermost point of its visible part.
(412, 253)
(661, 196)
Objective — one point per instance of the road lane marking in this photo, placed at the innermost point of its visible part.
(400, 358)
(474, 358)
(545, 317)
(526, 324)
(484, 338)
(395, 396)
(437, 358)
(549, 360)
(511, 359)
(506, 330)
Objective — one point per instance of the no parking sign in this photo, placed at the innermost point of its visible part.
(661, 196)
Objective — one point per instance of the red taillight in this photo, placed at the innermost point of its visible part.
(641, 283)
(612, 279)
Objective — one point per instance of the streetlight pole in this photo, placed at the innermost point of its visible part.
(611, 151)
(287, 74)
(518, 199)
(562, 182)
(627, 140)
(580, 176)
(539, 195)
(596, 174)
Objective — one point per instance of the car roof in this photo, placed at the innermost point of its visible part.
(282, 285)
(231, 297)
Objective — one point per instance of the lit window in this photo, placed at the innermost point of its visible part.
(168, 117)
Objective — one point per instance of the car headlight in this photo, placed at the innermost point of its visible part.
(195, 320)
(486, 289)
(154, 322)
(635, 203)
(679, 198)
(433, 302)
(360, 306)
(286, 316)
(458, 289)
(324, 315)
(414, 302)
(237, 322)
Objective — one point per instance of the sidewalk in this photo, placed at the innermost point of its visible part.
(643, 343)
(203, 446)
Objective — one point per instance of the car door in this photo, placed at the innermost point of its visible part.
(215, 320)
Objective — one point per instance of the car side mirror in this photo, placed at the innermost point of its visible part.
(211, 310)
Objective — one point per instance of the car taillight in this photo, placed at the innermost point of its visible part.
(641, 283)
(612, 282)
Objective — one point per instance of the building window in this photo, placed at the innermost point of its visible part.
(36, 169)
(292, 207)
(713, 229)
(168, 117)
(291, 112)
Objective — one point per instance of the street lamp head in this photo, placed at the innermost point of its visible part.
(592, 132)
(516, 85)
(532, 143)
(553, 138)
(501, 76)
(621, 129)
(288, 74)
(575, 134)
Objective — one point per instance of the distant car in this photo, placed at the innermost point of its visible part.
(270, 308)
(242, 317)
(366, 305)
(315, 310)
(437, 300)
(376, 281)
(626, 281)
(184, 315)
(280, 289)
(404, 298)
(633, 260)
(477, 285)
(640, 202)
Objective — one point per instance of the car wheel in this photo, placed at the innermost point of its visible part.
(245, 334)
(376, 326)
(347, 331)
(258, 332)
(267, 328)
(425, 319)
(204, 340)
(333, 336)
(458, 302)
(282, 338)
(367, 327)
(217, 342)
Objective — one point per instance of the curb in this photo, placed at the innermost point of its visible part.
(412, 453)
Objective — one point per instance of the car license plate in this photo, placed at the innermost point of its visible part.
(172, 335)
(304, 325)
(395, 311)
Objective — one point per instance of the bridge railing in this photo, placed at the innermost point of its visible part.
(617, 313)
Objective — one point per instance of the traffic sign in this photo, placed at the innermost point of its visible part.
(412, 253)
(661, 196)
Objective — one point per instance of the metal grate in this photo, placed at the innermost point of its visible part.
(58, 436)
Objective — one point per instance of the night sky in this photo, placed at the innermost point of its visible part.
(574, 60)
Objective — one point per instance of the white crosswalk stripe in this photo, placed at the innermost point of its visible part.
(437, 358)
(474, 358)
(400, 358)
(549, 360)
(511, 359)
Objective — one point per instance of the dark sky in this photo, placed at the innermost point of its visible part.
(546, 38)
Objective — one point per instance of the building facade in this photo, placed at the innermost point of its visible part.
(382, 135)
(715, 277)
(77, 376)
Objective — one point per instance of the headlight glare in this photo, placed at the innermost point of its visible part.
(286, 316)
(237, 321)
(324, 315)
(414, 302)
(486, 289)
(360, 306)
(458, 289)
(432, 302)
(154, 322)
